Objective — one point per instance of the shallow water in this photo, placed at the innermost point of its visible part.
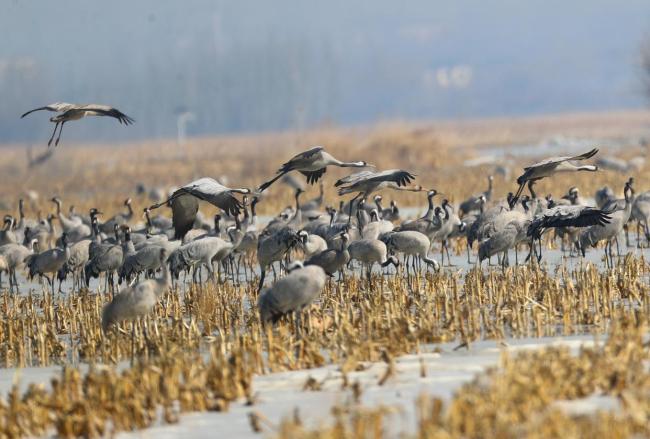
(551, 260)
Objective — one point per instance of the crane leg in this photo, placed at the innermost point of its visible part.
(442, 252)
(352, 205)
(262, 276)
(59, 138)
(447, 251)
(53, 133)
(516, 254)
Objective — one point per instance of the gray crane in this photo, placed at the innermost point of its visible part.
(477, 231)
(157, 224)
(312, 164)
(76, 262)
(500, 241)
(474, 202)
(609, 232)
(550, 167)
(105, 257)
(15, 256)
(137, 301)
(23, 222)
(185, 202)
(74, 227)
(430, 221)
(120, 219)
(273, 247)
(450, 225)
(144, 260)
(411, 244)
(619, 204)
(291, 294)
(369, 252)
(641, 213)
(49, 261)
(499, 225)
(196, 254)
(390, 213)
(376, 227)
(296, 220)
(332, 260)
(71, 112)
(7, 235)
(311, 244)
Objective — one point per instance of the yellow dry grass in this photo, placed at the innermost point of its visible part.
(201, 345)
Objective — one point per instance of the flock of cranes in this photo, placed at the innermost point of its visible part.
(331, 241)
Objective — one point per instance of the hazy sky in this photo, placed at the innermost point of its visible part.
(288, 64)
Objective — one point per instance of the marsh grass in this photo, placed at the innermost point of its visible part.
(202, 344)
(518, 398)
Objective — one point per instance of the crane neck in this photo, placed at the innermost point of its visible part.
(165, 280)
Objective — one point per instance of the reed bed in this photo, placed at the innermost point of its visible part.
(352, 319)
(519, 398)
(201, 346)
(203, 343)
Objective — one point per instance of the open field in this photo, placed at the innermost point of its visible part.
(86, 175)
(529, 350)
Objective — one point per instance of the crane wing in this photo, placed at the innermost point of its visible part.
(399, 176)
(105, 110)
(314, 176)
(556, 160)
(300, 160)
(210, 190)
(353, 178)
(297, 162)
(567, 216)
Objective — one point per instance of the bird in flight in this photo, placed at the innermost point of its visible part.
(185, 202)
(312, 164)
(75, 112)
(550, 167)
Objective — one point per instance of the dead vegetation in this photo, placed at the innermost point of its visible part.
(519, 397)
(202, 344)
